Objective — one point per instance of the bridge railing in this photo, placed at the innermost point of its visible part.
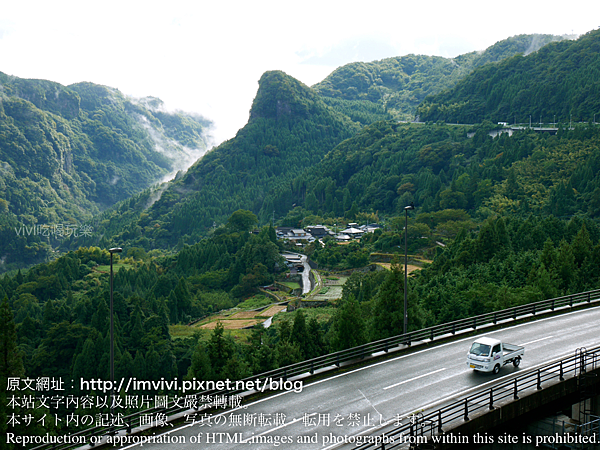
(448, 416)
(127, 423)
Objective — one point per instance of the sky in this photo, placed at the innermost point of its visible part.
(206, 57)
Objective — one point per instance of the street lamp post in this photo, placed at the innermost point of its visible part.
(112, 340)
(406, 208)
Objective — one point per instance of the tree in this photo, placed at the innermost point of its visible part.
(300, 332)
(139, 365)
(242, 220)
(56, 352)
(317, 345)
(11, 361)
(582, 246)
(200, 367)
(288, 353)
(487, 241)
(220, 350)
(348, 329)
(153, 367)
(565, 265)
(261, 356)
(85, 363)
(11, 365)
(388, 312)
(235, 368)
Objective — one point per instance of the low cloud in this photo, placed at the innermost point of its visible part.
(180, 156)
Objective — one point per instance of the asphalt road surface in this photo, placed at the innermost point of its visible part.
(364, 399)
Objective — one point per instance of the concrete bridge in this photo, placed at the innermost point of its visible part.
(370, 401)
(555, 406)
(511, 130)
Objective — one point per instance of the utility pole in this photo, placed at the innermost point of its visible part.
(112, 338)
(406, 208)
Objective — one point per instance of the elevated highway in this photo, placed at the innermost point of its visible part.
(366, 400)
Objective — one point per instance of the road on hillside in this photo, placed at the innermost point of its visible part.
(359, 400)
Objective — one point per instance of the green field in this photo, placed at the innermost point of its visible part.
(291, 284)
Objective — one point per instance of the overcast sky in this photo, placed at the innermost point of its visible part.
(207, 56)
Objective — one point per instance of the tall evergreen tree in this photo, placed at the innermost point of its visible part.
(388, 312)
(348, 329)
(11, 361)
(300, 332)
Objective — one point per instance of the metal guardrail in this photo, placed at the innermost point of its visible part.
(459, 411)
(128, 423)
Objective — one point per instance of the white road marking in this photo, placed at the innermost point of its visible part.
(537, 340)
(372, 406)
(413, 379)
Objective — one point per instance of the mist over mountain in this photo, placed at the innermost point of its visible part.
(290, 129)
(558, 83)
(398, 85)
(69, 152)
(108, 149)
(501, 217)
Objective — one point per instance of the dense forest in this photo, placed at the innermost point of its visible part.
(68, 153)
(398, 85)
(439, 167)
(290, 129)
(504, 219)
(558, 83)
(55, 318)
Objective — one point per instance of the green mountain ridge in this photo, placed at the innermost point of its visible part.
(246, 172)
(290, 129)
(69, 152)
(398, 85)
(506, 220)
(438, 167)
(559, 83)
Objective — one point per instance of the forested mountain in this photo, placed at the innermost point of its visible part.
(290, 129)
(506, 220)
(67, 153)
(559, 82)
(398, 85)
(389, 165)
(85, 147)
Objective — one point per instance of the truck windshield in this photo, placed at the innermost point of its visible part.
(480, 349)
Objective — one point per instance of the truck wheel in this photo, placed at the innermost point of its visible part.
(516, 362)
(496, 368)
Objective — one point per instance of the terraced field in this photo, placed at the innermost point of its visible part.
(331, 288)
(243, 319)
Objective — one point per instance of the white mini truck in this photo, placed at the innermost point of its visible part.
(488, 355)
